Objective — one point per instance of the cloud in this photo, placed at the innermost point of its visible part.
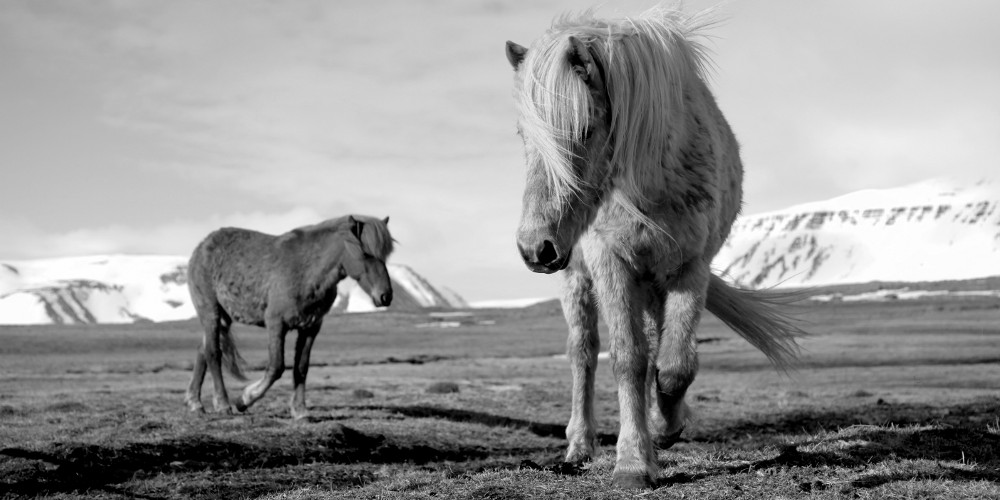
(177, 237)
(403, 108)
(874, 95)
(480, 264)
(318, 107)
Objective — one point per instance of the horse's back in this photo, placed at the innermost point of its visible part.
(715, 144)
(231, 268)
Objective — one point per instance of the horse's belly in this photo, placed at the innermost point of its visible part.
(244, 308)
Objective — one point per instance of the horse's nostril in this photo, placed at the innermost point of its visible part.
(524, 253)
(548, 253)
(386, 298)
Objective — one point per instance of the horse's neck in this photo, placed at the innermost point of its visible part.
(320, 260)
(686, 176)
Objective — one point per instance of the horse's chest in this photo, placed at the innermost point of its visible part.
(308, 320)
(673, 242)
(311, 307)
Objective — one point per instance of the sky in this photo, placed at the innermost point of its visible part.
(138, 126)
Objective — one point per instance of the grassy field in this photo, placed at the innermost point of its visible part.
(891, 400)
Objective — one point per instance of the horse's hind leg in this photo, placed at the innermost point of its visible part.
(303, 346)
(275, 365)
(677, 355)
(208, 358)
(214, 331)
(582, 345)
(193, 396)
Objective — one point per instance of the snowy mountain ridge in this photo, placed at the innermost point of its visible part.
(934, 230)
(129, 288)
(930, 231)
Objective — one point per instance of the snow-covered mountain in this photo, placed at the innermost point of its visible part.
(128, 288)
(934, 230)
(409, 291)
(94, 289)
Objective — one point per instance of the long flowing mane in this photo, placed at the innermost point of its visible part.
(375, 238)
(648, 62)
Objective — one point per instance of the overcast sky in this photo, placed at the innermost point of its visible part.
(138, 126)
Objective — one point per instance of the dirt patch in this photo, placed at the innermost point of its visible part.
(442, 388)
(67, 407)
(10, 411)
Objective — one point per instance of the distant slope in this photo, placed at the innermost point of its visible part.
(508, 303)
(410, 291)
(930, 231)
(95, 289)
(129, 288)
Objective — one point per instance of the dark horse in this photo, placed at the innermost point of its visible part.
(282, 283)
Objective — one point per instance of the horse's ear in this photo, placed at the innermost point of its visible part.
(356, 226)
(386, 220)
(580, 60)
(515, 53)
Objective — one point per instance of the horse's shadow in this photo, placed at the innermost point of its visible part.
(66, 467)
(950, 446)
(979, 446)
(540, 429)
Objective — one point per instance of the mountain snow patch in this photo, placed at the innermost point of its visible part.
(930, 231)
(95, 289)
(129, 288)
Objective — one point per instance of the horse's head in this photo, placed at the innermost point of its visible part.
(365, 257)
(564, 121)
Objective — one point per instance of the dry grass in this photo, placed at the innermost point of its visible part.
(893, 400)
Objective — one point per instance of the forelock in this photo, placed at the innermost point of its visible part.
(554, 105)
(375, 237)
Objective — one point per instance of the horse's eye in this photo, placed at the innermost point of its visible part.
(586, 134)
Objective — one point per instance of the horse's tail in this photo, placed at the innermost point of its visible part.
(756, 316)
(231, 359)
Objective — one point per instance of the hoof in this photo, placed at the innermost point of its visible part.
(302, 414)
(664, 442)
(581, 451)
(633, 481)
(194, 405)
(578, 457)
(240, 406)
(223, 407)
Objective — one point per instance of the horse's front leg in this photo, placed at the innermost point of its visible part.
(677, 357)
(303, 346)
(276, 331)
(582, 346)
(652, 319)
(619, 297)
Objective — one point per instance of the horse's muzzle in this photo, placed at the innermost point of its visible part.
(544, 258)
(383, 299)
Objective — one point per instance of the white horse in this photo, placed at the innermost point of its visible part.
(633, 181)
